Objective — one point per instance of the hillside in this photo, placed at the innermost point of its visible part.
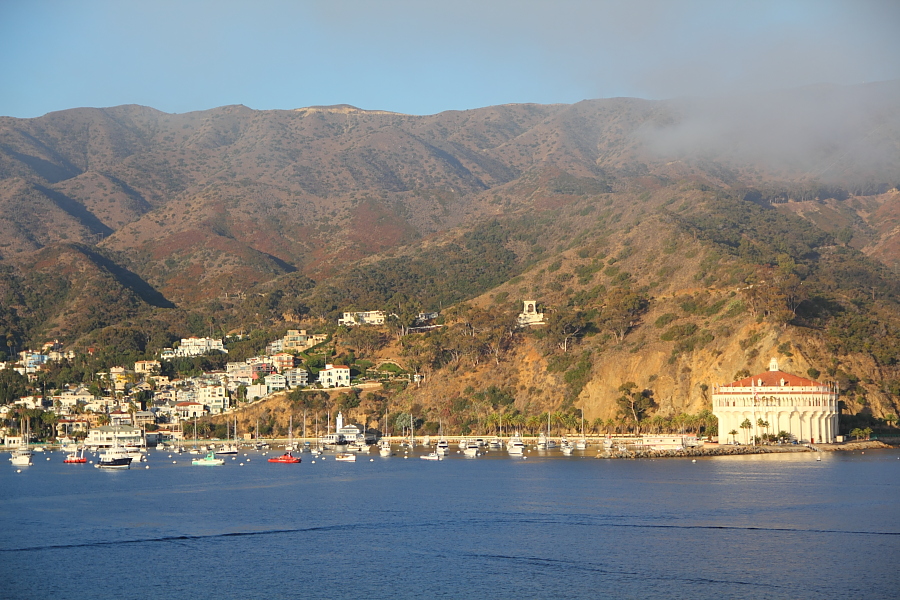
(672, 243)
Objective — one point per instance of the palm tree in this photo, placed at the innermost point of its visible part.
(732, 433)
(747, 425)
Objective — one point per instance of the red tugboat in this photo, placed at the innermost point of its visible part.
(74, 457)
(287, 458)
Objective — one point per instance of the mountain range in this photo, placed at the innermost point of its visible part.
(235, 218)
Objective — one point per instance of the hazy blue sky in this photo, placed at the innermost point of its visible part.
(424, 57)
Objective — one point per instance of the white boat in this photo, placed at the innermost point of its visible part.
(113, 458)
(432, 456)
(471, 449)
(582, 444)
(542, 441)
(495, 444)
(210, 460)
(345, 457)
(358, 446)
(136, 453)
(230, 449)
(463, 442)
(567, 447)
(515, 445)
(334, 441)
(384, 447)
(442, 448)
(21, 456)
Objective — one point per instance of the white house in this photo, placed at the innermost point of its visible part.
(257, 390)
(806, 409)
(147, 367)
(368, 317)
(275, 382)
(334, 376)
(189, 410)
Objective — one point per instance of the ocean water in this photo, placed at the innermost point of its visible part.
(764, 526)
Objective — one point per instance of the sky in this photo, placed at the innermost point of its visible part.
(423, 57)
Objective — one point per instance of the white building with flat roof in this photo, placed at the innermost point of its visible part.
(106, 436)
(366, 317)
(199, 347)
(806, 409)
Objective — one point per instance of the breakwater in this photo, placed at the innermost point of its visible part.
(700, 451)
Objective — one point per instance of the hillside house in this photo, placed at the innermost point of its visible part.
(297, 378)
(199, 347)
(215, 397)
(334, 376)
(369, 317)
(147, 367)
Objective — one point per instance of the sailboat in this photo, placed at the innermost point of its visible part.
(307, 447)
(544, 441)
(287, 457)
(443, 447)
(582, 443)
(21, 456)
(384, 444)
(230, 449)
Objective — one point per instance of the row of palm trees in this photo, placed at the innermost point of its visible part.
(570, 422)
(747, 425)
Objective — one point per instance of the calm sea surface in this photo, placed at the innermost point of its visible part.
(774, 526)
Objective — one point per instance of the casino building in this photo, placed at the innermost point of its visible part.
(806, 409)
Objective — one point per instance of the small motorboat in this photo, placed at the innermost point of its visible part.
(345, 457)
(471, 449)
(209, 460)
(443, 448)
(432, 456)
(515, 445)
(228, 450)
(287, 458)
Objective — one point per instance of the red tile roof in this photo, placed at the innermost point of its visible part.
(773, 379)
